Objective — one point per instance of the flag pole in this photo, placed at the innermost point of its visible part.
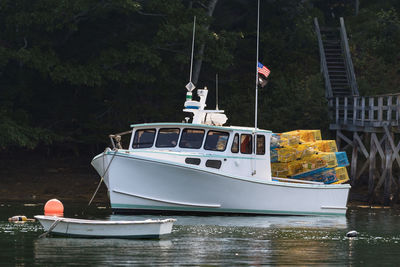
(258, 40)
(253, 164)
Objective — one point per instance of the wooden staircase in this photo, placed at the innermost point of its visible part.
(335, 62)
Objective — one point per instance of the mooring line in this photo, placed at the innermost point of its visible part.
(51, 228)
(102, 177)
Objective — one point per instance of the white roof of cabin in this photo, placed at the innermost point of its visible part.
(189, 125)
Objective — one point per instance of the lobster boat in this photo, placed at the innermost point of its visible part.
(203, 167)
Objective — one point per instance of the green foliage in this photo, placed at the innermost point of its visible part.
(14, 133)
(71, 72)
(375, 36)
(220, 47)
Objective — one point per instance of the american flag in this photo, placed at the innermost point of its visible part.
(263, 70)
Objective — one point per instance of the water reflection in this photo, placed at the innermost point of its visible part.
(12, 228)
(254, 240)
(99, 251)
(338, 222)
(215, 240)
(196, 240)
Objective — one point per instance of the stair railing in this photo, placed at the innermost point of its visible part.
(347, 58)
(324, 65)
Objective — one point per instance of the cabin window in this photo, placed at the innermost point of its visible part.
(194, 161)
(245, 143)
(235, 144)
(167, 137)
(144, 138)
(260, 145)
(191, 138)
(216, 141)
(211, 163)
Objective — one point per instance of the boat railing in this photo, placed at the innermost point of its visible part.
(116, 139)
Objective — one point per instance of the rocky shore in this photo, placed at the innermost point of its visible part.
(37, 179)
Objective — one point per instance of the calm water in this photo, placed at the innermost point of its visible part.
(211, 241)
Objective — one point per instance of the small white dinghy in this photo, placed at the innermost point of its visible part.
(105, 229)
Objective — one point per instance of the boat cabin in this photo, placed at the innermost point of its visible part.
(229, 150)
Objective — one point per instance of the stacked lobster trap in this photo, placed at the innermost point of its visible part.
(302, 154)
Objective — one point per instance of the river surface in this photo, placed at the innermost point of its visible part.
(210, 240)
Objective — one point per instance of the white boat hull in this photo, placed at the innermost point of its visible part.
(103, 229)
(143, 184)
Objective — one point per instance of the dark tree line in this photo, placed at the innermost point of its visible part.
(71, 72)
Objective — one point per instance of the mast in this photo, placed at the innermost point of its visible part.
(200, 115)
(191, 59)
(190, 86)
(216, 91)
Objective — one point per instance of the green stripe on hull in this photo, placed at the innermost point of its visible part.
(213, 210)
(111, 153)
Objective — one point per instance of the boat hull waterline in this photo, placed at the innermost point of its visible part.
(137, 183)
(106, 229)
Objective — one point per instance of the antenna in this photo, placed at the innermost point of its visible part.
(216, 91)
(190, 86)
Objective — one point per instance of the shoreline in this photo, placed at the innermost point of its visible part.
(35, 179)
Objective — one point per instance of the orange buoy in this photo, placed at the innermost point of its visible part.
(54, 207)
